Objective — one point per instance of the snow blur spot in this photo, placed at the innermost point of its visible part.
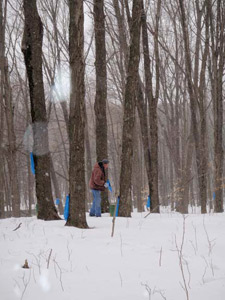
(60, 91)
(28, 140)
(44, 280)
(39, 145)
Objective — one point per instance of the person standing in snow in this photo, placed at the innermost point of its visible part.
(97, 184)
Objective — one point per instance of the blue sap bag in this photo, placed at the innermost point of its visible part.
(66, 209)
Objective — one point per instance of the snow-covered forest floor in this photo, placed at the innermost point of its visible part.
(163, 256)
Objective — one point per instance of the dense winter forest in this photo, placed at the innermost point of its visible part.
(139, 82)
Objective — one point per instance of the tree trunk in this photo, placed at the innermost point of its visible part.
(129, 111)
(218, 62)
(2, 47)
(32, 50)
(30, 187)
(88, 162)
(11, 155)
(142, 112)
(56, 186)
(7, 105)
(141, 104)
(153, 102)
(101, 90)
(137, 182)
(77, 188)
(195, 94)
(153, 121)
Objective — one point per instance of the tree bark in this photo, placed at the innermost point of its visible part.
(56, 186)
(129, 111)
(88, 161)
(2, 47)
(153, 103)
(101, 90)
(12, 149)
(7, 107)
(217, 70)
(196, 98)
(77, 188)
(32, 50)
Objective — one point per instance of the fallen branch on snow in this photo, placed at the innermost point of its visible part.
(17, 227)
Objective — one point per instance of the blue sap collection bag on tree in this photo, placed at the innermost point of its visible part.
(148, 202)
(32, 163)
(66, 209)
(109, 185)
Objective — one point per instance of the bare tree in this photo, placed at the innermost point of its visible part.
(7, 101)
(175, 107)
(11, 155)
(129, 111)
(151, 155)
(216, 69)
(101, 89)
(2, 47)
(77, 187)
(32, 50)
(197, 95)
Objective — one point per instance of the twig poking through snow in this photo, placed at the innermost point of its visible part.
(161, 293)
(160, 257)
(148, 289)
(206, 267)
(49, 258)
(69, 251)
(38, 261)
(180, 255)
(210, 245)
(25, 284)
(152, 211)
(17, 227)
(121, 280)
(60, 274)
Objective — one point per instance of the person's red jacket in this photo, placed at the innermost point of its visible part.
(97, 179)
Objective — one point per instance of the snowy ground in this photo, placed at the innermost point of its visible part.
(141, 261)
